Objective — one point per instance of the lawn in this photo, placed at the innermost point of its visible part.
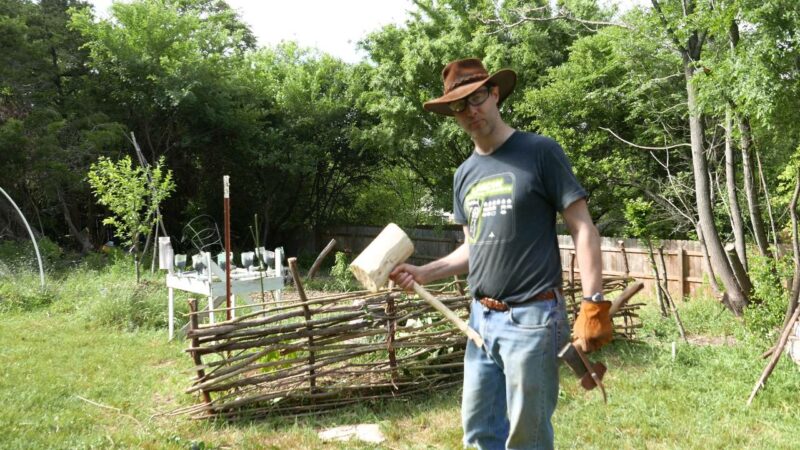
(87, 364)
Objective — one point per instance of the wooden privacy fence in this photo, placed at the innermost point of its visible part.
(621, 257)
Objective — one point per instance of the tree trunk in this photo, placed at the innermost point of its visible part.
(733, 200)
(707, 267)
(769, 206)
(795, 293)
(83, 240)
(659, 293)
(736, 297)
(136, 261)
(753, 203)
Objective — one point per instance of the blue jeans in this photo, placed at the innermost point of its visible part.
(511, 392)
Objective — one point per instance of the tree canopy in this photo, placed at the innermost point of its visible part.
(685, 106)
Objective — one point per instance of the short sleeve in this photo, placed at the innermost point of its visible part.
(560, 184)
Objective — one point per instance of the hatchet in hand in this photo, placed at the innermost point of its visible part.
(591, 374)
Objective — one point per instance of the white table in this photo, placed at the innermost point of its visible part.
(211, 284)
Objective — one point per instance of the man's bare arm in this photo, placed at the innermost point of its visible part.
(456, 263)
(587, 246)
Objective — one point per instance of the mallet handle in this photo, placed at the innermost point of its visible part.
(449, 315)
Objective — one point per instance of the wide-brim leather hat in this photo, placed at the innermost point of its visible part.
(463, 77)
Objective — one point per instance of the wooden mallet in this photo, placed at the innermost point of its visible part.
(389, 249)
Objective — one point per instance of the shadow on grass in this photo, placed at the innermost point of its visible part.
(368, 411)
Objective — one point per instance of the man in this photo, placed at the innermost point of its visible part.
(506, 195)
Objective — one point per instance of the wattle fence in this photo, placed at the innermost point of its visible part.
(621, 257)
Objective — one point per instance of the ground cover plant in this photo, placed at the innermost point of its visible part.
(86, 364)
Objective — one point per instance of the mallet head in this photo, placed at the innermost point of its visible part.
(389, 249)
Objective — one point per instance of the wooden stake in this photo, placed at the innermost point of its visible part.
(227, 212)
(776, 355)
(318, 262)
(659, 294)
(391, 326)
(312, 379)
(670, 301)
(624, 258)
(198, 361)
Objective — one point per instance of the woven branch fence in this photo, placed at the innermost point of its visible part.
(306, 357)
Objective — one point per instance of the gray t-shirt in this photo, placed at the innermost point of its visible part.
(509, 201)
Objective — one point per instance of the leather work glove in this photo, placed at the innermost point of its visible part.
(593, 328)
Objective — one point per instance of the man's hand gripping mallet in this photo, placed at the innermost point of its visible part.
(389, 249)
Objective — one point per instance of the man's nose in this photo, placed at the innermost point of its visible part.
(472, 109)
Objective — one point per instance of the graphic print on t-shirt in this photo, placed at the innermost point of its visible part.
(489, 205)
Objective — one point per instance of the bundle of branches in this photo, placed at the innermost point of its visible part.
(298, 358)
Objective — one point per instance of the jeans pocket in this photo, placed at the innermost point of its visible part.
(533, 315)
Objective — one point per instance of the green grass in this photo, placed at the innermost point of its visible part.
(87, 364)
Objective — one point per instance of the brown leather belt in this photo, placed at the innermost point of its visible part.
(498, 305)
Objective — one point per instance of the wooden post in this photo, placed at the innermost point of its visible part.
(682, 269)
(198, 361)
(391, 326)
(738, 269)
(624, 259)
(459, 288)
(227, 213)
(171, 312)
(654, 267)
(312, 378)
(318, 262)
(668, 296)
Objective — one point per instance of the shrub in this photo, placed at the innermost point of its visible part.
(343, 279)
(769, 297)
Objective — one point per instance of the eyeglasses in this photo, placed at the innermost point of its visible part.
(475, 99)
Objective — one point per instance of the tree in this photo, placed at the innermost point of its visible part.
(50, 133)
(409, 61)
(131, 196)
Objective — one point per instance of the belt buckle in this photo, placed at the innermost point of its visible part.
(494, 305)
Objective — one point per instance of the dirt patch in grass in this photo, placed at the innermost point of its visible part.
(712, 341)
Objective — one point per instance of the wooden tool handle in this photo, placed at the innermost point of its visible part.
(449, 314)
(624, 296)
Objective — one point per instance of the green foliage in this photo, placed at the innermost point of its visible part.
(638, 219)
(343, 279)
(130, 195)
(396, 195)
(765, 313)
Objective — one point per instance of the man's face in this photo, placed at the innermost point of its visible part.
(480, 119)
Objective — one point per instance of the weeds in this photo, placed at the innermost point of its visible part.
(343, 279)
